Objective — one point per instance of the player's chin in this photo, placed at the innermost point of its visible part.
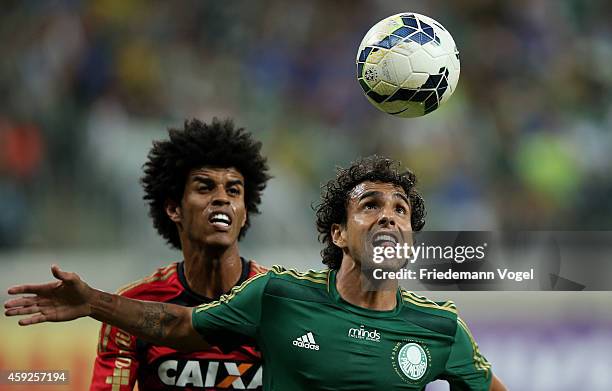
(221, 239)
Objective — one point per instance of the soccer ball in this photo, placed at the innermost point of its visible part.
(408, 65)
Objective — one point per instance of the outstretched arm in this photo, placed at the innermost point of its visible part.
(497, 385)
(70, 298)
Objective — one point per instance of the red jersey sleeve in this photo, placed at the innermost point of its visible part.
(116, 364)
(255, 269)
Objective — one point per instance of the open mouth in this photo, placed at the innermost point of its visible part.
(384, 239)
(220, 220)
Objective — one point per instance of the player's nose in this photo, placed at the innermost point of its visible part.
(220, 197)
(386, 218)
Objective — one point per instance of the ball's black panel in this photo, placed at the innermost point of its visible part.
(376, 97)
(443, 83)
(394, 40)
(364, 54)
(427, 29)
(364, 85)
(384, 43)
(420, 38)
(431, 103)
(429, 93)
(421, 96)
(404, 31)
(432, 81)
(404, 94)
(414, 30)
(410, 21)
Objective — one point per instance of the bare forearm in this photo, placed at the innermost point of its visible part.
(161, 323)
(497, 385)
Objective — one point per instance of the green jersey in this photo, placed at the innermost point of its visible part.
(311, 339)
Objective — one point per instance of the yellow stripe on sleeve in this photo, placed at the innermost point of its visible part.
(479, 361)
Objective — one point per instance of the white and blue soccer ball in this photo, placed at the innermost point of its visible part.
(408, 65)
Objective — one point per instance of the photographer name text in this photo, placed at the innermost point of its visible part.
(452, 275)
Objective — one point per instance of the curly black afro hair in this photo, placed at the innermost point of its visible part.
(218, 144)
(335, 196)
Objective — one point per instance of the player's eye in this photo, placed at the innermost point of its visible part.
(234, 191)
(370, 205)
(203, 184)
(400, 210)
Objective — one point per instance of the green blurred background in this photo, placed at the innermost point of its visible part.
(524, 143)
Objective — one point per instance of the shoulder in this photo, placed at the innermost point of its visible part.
(440, 317)
(292, 284)
(255, 268)
(444, 308)
(160, 281)
(314, 278)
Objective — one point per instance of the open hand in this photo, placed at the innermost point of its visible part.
(58, 301)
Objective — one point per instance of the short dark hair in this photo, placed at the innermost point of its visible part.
(218, 144)
(335, 195)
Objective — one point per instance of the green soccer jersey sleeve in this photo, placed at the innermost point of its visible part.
(466, 369)
(235, 317)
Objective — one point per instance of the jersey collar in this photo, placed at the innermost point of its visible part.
(244, 275)
(335, 295)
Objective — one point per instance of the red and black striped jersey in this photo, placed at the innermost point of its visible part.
(123, 359)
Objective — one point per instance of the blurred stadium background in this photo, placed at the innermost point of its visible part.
(523, 144)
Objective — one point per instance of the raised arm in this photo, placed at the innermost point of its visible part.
(70, 298)
(497, 385)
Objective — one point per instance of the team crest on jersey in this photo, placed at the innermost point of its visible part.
(411, 360)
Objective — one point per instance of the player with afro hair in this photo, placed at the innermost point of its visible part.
(218, 144)
(202, 184)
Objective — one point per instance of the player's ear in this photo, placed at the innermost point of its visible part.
(338, 234)
(173, 210)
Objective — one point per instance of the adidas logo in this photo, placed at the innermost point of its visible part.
(306, 341)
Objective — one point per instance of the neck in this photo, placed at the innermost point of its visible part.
(358, 290)
(211, 272)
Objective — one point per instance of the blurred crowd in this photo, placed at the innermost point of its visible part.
(524, 143)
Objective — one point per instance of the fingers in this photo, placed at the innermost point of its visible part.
(21, 302)
(32, 320)
(58, 273)
(67, 277)
(41, 310)
(62, 275)
(33, 309)
(15, 290)
(26, 301)
(33, 288)
(42, 289)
